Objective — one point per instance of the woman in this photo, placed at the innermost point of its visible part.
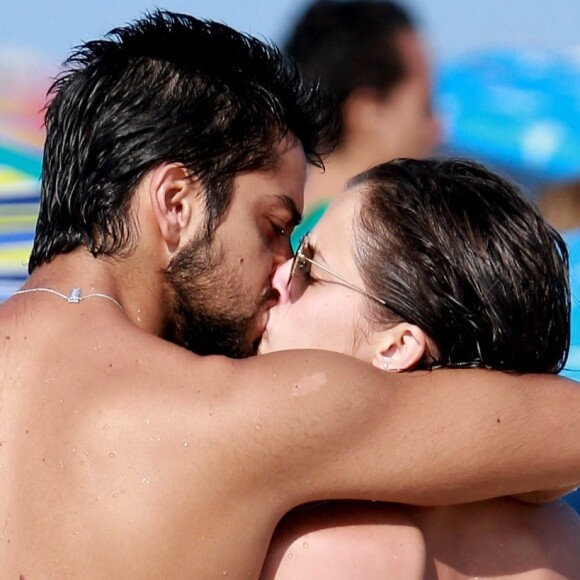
(423, 264)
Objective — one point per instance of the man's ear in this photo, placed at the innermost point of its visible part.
(400, 348)
(175, 202)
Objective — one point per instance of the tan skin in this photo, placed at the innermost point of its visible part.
(499, 538)
(352, 540)
(124, 456)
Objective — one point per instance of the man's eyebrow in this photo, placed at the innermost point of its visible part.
(290, 205)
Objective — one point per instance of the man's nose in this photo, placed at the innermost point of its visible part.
(280, 280)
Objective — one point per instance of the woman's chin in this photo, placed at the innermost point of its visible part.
(265, 347)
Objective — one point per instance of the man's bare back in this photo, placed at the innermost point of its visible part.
(115, 462)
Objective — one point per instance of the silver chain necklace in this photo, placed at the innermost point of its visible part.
(74, 296)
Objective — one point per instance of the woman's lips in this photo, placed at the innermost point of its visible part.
(265, 320)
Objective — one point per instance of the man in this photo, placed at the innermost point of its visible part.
(370, 56)
(173, 172)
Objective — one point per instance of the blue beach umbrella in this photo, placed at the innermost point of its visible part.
(520, 110)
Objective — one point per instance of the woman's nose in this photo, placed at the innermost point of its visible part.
(280, 280)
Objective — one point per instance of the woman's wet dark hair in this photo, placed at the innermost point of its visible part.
(458, 251)
(166, 88)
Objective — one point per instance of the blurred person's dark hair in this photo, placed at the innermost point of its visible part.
(371, 57)
(458, 251)
(560, 204)
(351, 44)
(166, 88)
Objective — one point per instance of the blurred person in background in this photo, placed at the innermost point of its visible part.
(371, 57)
(560, 205)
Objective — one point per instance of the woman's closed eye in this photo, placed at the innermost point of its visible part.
(304, 270)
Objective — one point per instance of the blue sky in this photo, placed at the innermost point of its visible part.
(453, 27)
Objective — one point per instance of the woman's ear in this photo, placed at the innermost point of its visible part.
(174, 198)
(400, 348)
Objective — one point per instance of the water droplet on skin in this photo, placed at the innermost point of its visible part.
(88, 453)
(225, 572)
(105, 427)
(145, 480)
(290, 555)
(112, 454)
(123, 492)
(258, 421)
(148, 422)
(186, 444)
(74, 450)
(305, 545)
(115, 495)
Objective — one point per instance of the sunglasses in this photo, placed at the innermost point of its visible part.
(302, 265)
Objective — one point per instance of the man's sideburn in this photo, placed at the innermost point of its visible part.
(206, 310)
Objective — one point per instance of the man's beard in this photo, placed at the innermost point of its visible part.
(205, 306)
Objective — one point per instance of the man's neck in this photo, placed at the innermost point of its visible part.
(138, 297)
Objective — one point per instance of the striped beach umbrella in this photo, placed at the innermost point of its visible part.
(21, 138)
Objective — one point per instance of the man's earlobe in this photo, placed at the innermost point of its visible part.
(400, 348)
(172, 195)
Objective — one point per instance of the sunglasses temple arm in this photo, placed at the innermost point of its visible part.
(349, 284)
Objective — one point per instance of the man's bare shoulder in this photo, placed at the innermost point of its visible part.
(105, 388)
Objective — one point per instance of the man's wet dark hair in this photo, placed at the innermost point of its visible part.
(166, 88)
(458, 251)
(351, 45)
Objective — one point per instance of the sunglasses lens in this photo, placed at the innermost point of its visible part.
(300, 268)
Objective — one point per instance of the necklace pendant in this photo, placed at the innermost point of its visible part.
(74, 296)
